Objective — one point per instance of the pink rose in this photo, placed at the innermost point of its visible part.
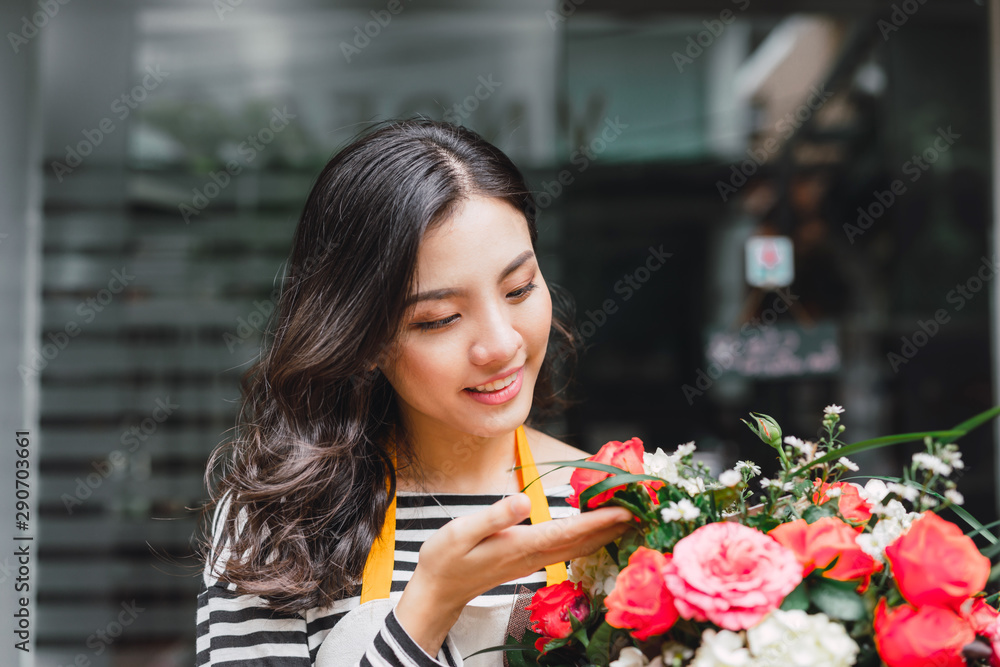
(730, 574)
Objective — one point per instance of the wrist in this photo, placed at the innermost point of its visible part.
(426, 615)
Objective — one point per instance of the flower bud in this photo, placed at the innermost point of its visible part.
(765, 428)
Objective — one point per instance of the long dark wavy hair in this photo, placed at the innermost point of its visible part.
(309, 459)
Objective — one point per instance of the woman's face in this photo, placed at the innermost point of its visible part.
(486, 316)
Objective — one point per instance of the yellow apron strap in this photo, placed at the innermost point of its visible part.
(376, 580)
(556, 572)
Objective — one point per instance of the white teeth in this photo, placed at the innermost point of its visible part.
(495, 386)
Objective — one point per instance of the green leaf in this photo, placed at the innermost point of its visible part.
(798, 598)
(875, 443)
(600, 645)
(610, 483)
(612, 550)
(814, 513)
(977, 420)
(837, 599)
(511, 646)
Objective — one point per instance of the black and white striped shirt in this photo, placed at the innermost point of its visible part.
(236, 630)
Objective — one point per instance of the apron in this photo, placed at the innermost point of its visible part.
(481, 624)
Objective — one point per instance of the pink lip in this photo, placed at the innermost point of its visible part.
(499, 376)
(498, 397)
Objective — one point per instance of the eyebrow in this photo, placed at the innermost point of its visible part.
(446, 292)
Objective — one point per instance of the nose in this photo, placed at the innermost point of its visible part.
(496, 340)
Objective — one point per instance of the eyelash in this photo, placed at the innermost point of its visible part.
(437, 324)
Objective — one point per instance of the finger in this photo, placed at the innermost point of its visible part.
(557, 536)
(504, 513)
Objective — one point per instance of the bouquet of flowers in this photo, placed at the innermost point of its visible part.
(821, 572)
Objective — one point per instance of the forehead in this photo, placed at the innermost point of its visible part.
(480, 238)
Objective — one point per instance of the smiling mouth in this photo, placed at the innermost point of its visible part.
(490, 387)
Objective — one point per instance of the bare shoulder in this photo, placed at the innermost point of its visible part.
(546, 448)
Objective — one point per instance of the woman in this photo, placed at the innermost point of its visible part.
(384, 420)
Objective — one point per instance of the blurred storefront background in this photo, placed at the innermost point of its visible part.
(757, 205)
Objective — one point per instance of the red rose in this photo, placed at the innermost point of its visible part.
(550, 609)
(817, 544)
(908, 637)
(934, 563)
(625, 455)
(981, 616)
(852, 506)
(641, 601)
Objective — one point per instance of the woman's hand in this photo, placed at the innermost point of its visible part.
(471, 554)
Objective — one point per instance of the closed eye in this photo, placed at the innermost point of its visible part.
(521, 294)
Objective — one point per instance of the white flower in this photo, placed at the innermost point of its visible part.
(894, 522)
(730, 478)
(847, 463)
(797, 443)
(874, 491)
(662, 465)
(952, 457)
(686, 449)
(932, 463)
(904, 491)
(683, 510)
(834, 492)
(693, 486)
(596, 572)
(800, 639)
(768, 483)
(954, 496)
(721, 649)
(748, 465)
(672, 652)
(630, 657)
(833, 410)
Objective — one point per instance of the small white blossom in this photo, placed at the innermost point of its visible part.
(683, 510)
(730, 478)
(904, 491)
(833, 410)
(874, 491)
(630, 656)
(721, 649)
(769, 483)
(833, 492)
(662, 465)
(748, 465)
(596, 572)
(693, 486)
(932, 463)
(673, 651)
(952, 457)
(686, 449)
(894, 522)
(954, 496)
(797, 443)
(847, 463)
(929, 501)
(804, 640)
